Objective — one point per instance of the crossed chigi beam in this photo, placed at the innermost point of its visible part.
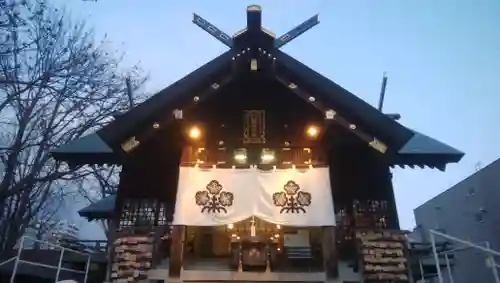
(254, 24)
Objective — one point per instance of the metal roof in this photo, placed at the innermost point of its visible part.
(422, 144)
(102, 209)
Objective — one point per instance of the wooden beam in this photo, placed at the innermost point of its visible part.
(296, 32)
(213, 30)
(176, 251)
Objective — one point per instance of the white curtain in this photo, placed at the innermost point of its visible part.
(209, 197)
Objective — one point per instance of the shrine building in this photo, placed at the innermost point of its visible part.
(254, 167)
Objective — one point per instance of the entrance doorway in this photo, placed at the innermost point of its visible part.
(282, 248)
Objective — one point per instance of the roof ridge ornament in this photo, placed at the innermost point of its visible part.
(213, 30)
(254, 24)
(296, 31)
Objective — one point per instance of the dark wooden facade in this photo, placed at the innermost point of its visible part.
(356, 141)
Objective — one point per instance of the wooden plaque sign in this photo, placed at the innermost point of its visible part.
(383, 255)
(254, 126)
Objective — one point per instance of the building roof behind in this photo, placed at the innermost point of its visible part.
(493, 168)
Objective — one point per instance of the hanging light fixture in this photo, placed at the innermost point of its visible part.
(267, 156)
(240, 155)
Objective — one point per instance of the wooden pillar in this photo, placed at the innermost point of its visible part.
(330, 255)
(176, 251)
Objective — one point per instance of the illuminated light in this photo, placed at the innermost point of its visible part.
(292, 86)
(230, 226)
(216, 85)
(278, 226)
(267, 156)
(312, 98)
(312, 131)
(194, 133)
(240, 155)
(196, 98)
(156, 125)
(278, 249)
(276, 236)
(234, 235)
(352, 127)
(238, 237)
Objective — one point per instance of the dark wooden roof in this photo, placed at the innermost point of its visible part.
(408, 147)
(101, 210)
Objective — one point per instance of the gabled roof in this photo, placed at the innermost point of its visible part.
(422, 144)
(165, 101)
(336, 97)
(408, 147)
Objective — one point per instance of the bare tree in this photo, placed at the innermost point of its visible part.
(56, 84)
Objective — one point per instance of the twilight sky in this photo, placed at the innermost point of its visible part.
(442, 59)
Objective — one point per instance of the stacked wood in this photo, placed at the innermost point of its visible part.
(383, 254)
